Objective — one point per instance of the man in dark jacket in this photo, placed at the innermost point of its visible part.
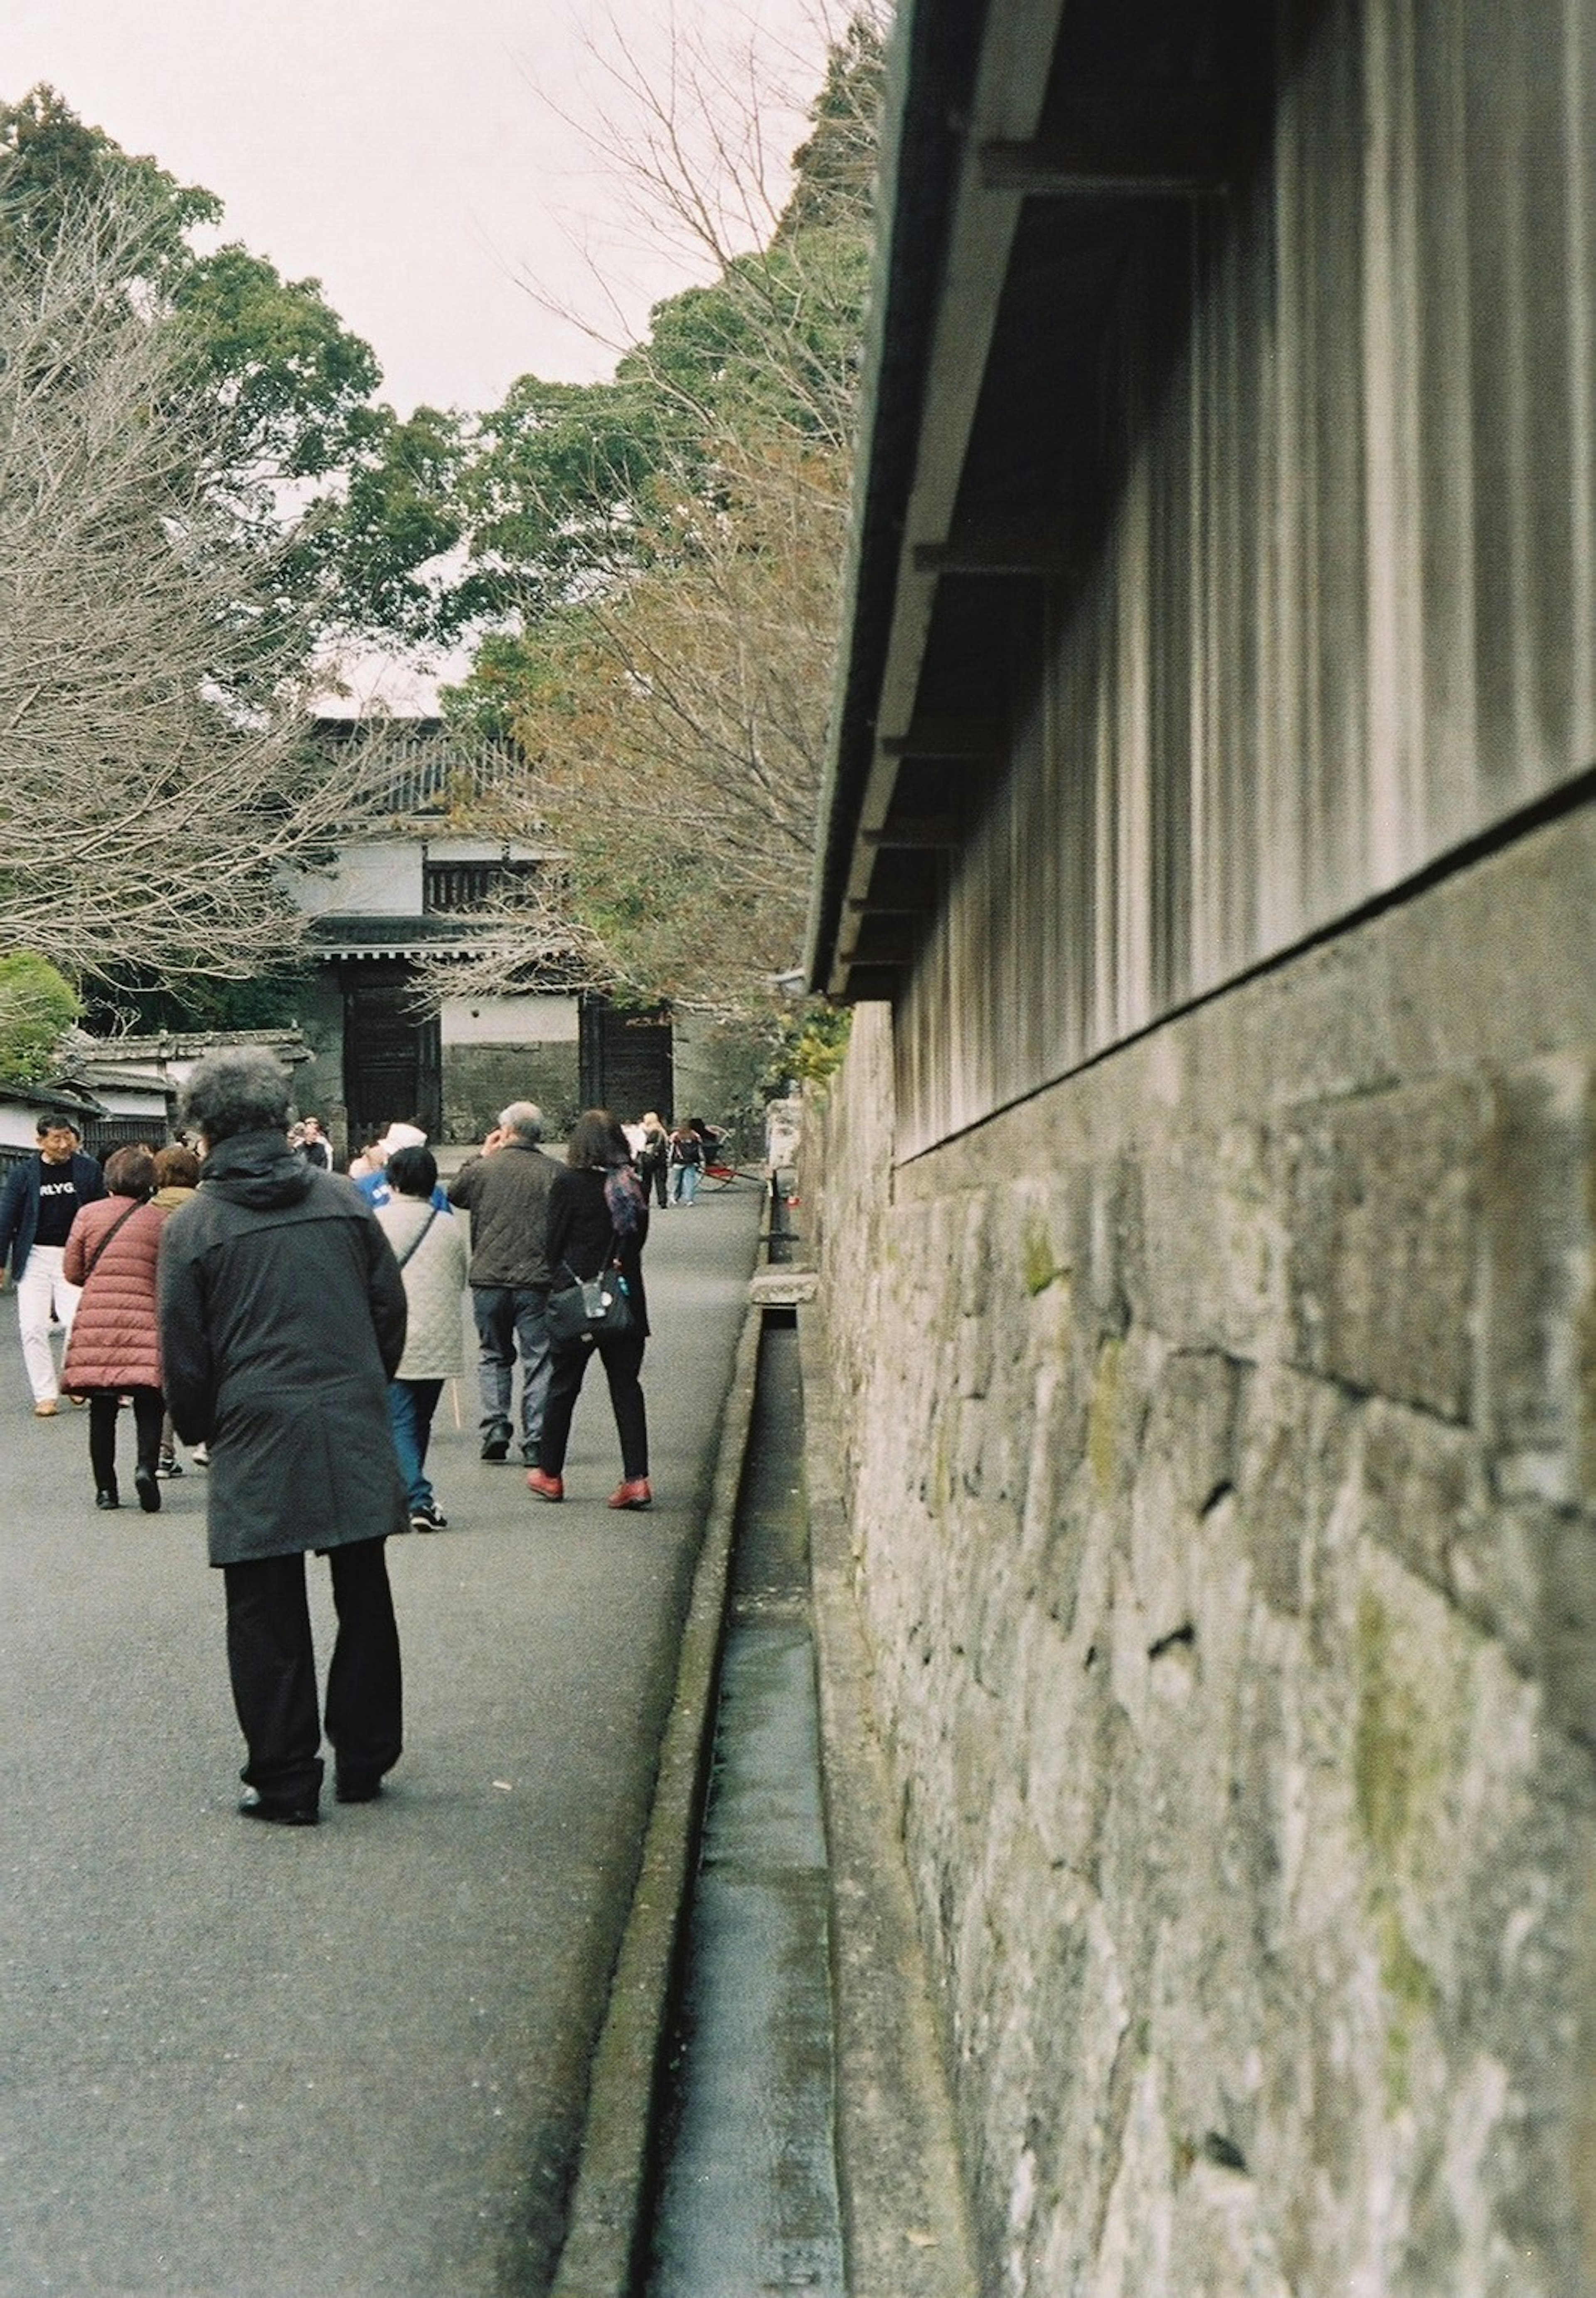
(42, 1198)
(506, 1190)
(282, 1320)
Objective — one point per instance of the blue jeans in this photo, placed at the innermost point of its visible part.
(511, 1320)
(685, 1184)
(411, 1404)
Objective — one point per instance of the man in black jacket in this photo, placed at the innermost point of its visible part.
(282, 1321)
(506, 1192)
(42, 1198)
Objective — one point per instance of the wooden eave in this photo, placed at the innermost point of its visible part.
(980, 498)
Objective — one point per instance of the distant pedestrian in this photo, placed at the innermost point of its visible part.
(598, 1218)
(114, 1350)
(653, 1156)
(282, 1320)
(431, 1251)
(685, 1157)
(176, 1178)
(318, 1148)
(41, 1199)
(506, 1190)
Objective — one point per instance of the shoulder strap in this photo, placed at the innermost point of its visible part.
(122, 1221)
(414, 1245)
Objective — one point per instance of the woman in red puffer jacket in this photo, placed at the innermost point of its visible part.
(115, 1348)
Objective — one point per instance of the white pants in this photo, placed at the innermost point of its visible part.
(41, 1288)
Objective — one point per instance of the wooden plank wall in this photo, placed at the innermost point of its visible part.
(1346, 620)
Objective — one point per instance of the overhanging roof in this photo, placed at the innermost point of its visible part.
(1029, 148)
(354, 936)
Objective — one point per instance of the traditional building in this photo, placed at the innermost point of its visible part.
(411, 887)
(1207, 1216)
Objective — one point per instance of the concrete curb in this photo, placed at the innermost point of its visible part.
(606, 2221)
(905, 2218)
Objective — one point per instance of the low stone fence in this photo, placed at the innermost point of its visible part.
(1221, 1455)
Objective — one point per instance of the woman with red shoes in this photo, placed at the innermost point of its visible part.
(598, 1219)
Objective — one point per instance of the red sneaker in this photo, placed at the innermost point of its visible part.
(633, 1495)
(547, 1488)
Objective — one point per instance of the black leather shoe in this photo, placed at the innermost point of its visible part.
(357, 1786)
(106, 1500)
(495, 1444)
(148, 1491)
(253, 1805)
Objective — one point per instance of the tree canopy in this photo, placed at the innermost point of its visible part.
(197, 476)
(661, 556)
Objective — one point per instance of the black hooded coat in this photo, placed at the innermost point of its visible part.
(282, 1320)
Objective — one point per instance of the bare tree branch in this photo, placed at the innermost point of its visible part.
(153, 774)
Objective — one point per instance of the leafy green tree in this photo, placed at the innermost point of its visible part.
(37, 1006)
(291, 384)
(52, 164)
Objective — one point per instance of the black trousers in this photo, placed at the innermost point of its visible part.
(622, 1363)
(272, 1662)
(148, 1413)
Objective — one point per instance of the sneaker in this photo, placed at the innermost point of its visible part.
(166, 1466)
(633, 1495)
(495, 1444)
(429, 1519)
(46, 1408)
(546, 1488)
(200, 1456)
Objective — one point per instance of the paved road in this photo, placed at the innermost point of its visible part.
(252, 2063)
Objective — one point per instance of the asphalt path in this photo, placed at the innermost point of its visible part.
(246, 2062)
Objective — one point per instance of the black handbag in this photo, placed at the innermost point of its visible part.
(588, 1309)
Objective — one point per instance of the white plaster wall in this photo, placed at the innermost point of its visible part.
(510, 1021)
(376, 880)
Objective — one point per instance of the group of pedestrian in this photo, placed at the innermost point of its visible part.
(537, 1228)
(300, 1329)
(670, 1159)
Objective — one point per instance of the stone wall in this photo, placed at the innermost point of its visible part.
(480, 1080)
(1221, 1451)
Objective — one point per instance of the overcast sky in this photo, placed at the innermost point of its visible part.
(408, 154)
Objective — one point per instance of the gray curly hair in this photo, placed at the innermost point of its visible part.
(239, 1092)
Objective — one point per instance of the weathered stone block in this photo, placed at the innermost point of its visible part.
(1539, 1171)
(1384, 1264)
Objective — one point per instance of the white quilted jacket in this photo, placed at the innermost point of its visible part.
(434, 1287)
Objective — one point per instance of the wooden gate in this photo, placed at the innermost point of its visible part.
(392, 1068)
(625, 1058)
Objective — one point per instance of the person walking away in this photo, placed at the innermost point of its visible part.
(114, 1349)
(282, 1321)
(599, 1217)
(686, 1156)
(374, 1184)
(506, 1190)
(176, 1178)
(653, 1157)
(42, 1198)
(431, 1253)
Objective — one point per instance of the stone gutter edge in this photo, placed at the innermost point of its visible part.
(606, 2222)
(906, 2216)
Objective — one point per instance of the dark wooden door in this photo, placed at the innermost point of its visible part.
(390, 1060)
(625, 1060)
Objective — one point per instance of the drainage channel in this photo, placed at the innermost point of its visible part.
(746, 2197)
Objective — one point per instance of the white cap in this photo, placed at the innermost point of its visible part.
(402, 1137)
